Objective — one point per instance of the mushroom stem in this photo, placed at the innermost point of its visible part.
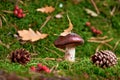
(70, 53)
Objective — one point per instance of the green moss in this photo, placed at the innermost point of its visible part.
(108, 24)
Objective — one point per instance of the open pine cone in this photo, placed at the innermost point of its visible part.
(104, 58)
(20, 56)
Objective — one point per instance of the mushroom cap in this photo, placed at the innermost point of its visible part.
(70, 39)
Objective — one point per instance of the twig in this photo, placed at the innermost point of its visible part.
(23, 78)
(61, 50)
(54, 67)
(47, 19)
(113, 10)
(98, 38)
(2, 16)
(104, 41)
(108, 45)
(53, 52)
(96, 8)
(7, 46)
(116, 44)
(6, 11)
(56, 59)
(0, 22)
(15, 26)
(47, 58)
(98, 47)
(34, 54)
(118, 58)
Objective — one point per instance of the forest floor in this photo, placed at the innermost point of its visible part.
(105, 17)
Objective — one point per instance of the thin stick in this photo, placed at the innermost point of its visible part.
(2, 16)
(47, 19)
(54, 67)
(53, 59)
(7, 46)
(61, 50)
(96, 8)
(53, 52)
(6, 11)
(108, 40)
(15, 26)
(98, 38)
(116, 44)
(23, 78)
(0, 22)
(108, 45)
(98, 47)
(113, 10)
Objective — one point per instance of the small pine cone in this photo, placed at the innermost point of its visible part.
(21, 56)
(104, 58)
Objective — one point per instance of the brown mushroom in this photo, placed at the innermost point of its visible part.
(69, 42)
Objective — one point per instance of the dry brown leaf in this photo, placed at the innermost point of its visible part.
(31, 35)
(47, 9)
(68, 30)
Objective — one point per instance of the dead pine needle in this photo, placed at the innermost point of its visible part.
(47, 58)
(116, 44)
(3, 18)
(100, 45)
(47, 19)
(113, 10)
(53, 51)
(15, 26)
(102, 41)
(6, 11)
(54, 68)
(99, 38)
(0, 22)
(7, 46)
(96, 8)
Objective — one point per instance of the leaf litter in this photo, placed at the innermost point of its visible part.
(46, 9)
(69, 29)
(30, 35)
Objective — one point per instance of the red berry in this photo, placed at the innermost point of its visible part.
(94, 31)
(16, 7)
(92, 28)
(98, 32)
(15, 12)
(88, 24)
(20, 11)
(19, 15)
(46, 69)
(32, 68)
(23, 15)
(39, 65)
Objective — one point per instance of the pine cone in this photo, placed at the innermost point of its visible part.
(104, 58)
(21, 56)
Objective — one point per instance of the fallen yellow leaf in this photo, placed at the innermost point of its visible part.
(47, 9)
(31, 35)
(68, 30)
